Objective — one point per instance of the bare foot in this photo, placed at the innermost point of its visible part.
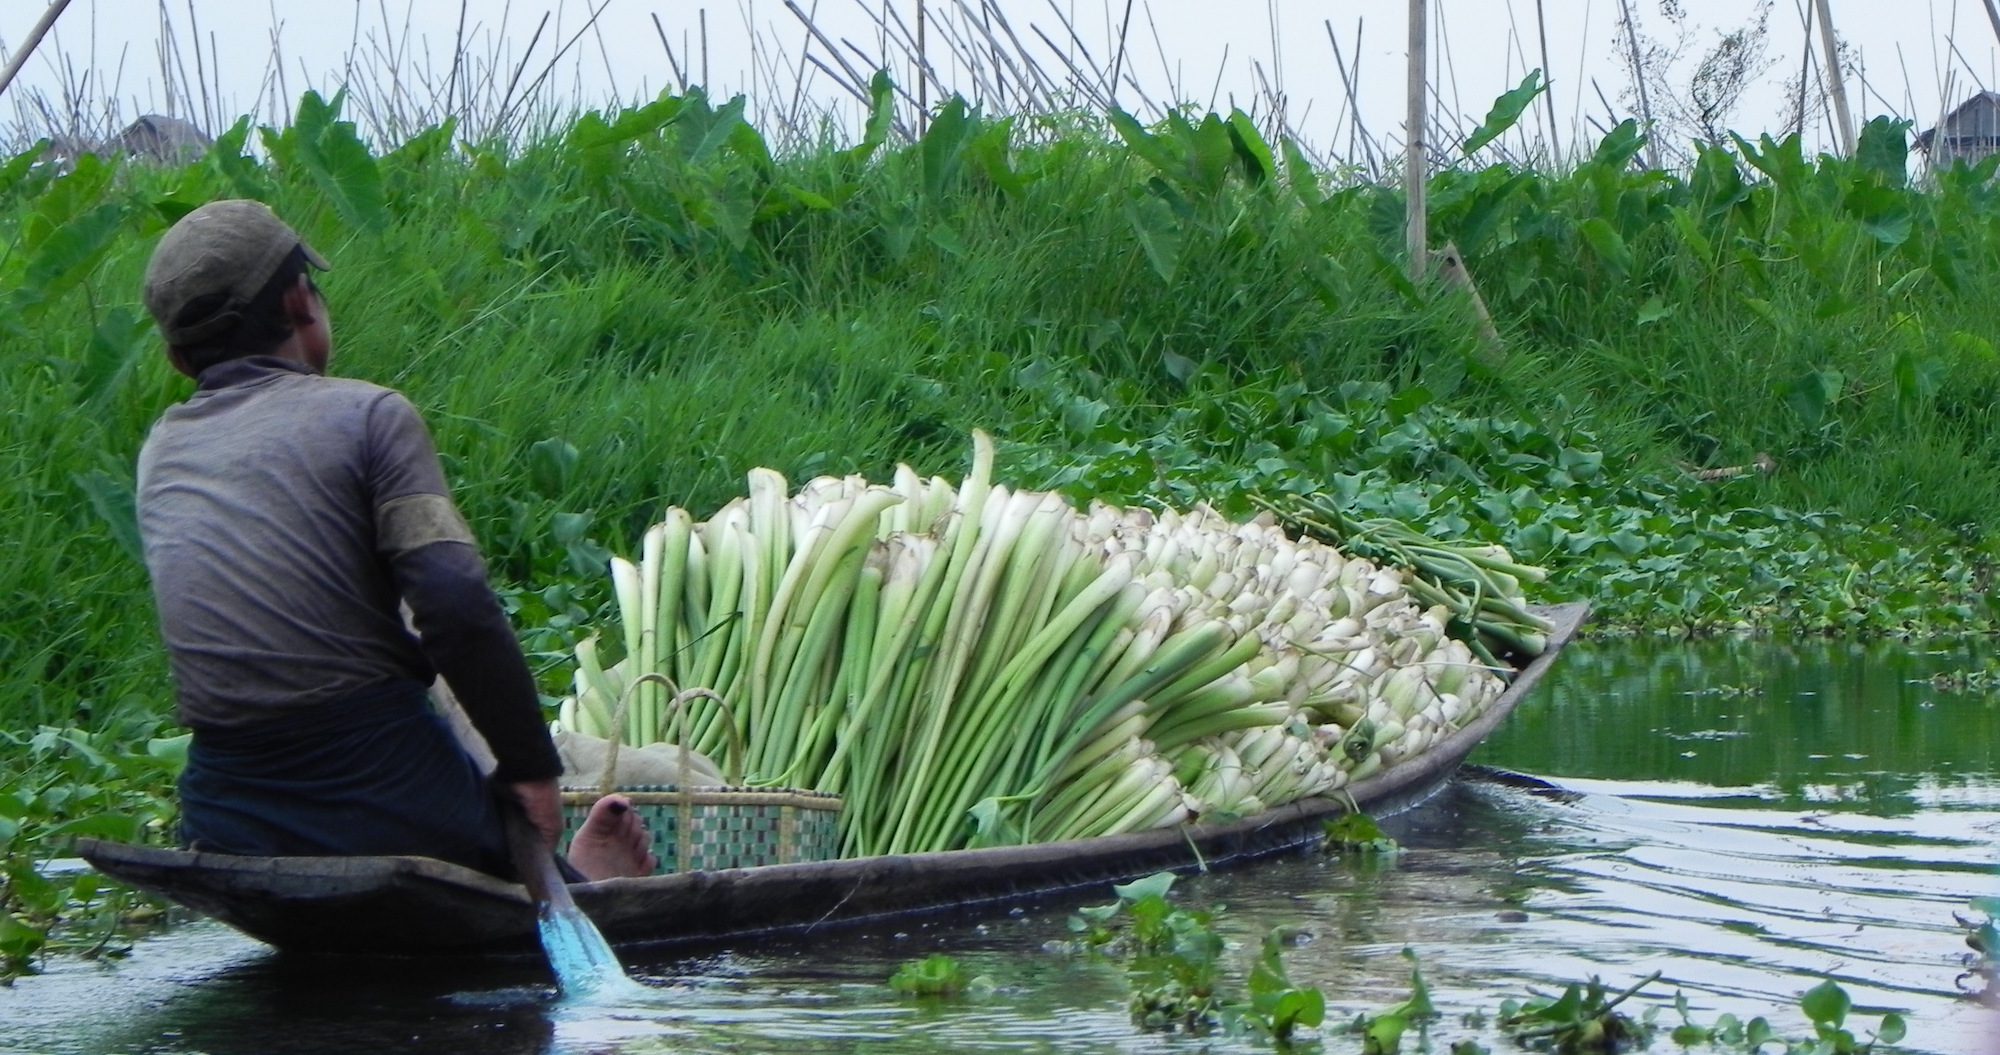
(613, 842)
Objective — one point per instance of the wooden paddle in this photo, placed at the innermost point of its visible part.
(582, 960)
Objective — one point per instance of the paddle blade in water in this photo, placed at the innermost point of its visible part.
(584, 964)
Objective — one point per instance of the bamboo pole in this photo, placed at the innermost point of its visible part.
(1639, 84)
(1548, 78)
(35, 35)
(1413, 134)
(1835, 81)
(1993, 16)
(923, 82)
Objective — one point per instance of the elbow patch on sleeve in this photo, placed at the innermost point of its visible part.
(415, 521)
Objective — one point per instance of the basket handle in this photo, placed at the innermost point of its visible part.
(684, 794)
(732, 773)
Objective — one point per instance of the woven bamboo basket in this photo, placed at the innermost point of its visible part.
(703, 828)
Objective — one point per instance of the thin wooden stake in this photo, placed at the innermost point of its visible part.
(1548, 91)
(923, 82)
(1454, 273)
(1639, 83)
(1993, 16)
(1835, 81)
(35, 35)
(1413, 134)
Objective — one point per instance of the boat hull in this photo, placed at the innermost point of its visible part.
(415, 906)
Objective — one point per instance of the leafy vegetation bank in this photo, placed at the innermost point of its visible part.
(634, 311)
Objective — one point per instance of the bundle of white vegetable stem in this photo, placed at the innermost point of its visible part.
(978, 664)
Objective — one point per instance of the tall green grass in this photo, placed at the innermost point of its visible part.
(656, 292)
(635, 310)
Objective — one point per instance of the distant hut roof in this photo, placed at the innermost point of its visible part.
(1978, 116)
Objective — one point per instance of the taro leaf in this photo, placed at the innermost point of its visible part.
(1506, 111)
(69, 254)
(245, 176)
(1179, 367)
(1893, 1028)
(718, 127)
(1159, 233)
(1619, 148)
(1654, 310)
(1155, 885)
(1209, 152)
(17, 167)
(1143, 143)
(1251, 150)
(111, 498)
(1883, 212)
(749, 144)
(1884, 151)
(1826, 1004)
(881, 115)
(1605, 241)
(988, 152)
(1989, 905)
(338, 162)
(116, 347)
(943, 147)
(1300, 174)
(551, 464)
(946, 238)
(1917, 379)
(1811, 395)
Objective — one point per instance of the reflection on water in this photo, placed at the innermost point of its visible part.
(1746, 819)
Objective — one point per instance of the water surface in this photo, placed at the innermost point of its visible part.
(1747, 818)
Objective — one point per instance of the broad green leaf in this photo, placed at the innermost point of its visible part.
(1826, 1004)
(551, 465)
(1210, 152)
(1252, 152)
(1618, 148)
(111, 499)
(1884, 150)
(1893, 1029)
(1654, 310)
(1155, 885)
(71, 253)
(1506, 112)
(989, 152)
(1300, 174)
(1159, 233)
(1143, 143)
(119, 827)
(1811, 395)
(718, 129)
(1605, 241)
(943, 146)
(881, 117)
(339, 163)
(117, 346)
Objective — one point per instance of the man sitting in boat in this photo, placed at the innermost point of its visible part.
(288, 518)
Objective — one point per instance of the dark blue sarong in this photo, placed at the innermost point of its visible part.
(381, 774)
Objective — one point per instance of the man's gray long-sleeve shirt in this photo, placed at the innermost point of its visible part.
(285, 516)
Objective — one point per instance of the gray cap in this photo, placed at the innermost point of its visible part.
(231, 248)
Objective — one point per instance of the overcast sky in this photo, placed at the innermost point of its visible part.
(1915, 55)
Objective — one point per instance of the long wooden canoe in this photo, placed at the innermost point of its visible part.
(418, 906)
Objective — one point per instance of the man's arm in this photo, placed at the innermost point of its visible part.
(468, 640)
